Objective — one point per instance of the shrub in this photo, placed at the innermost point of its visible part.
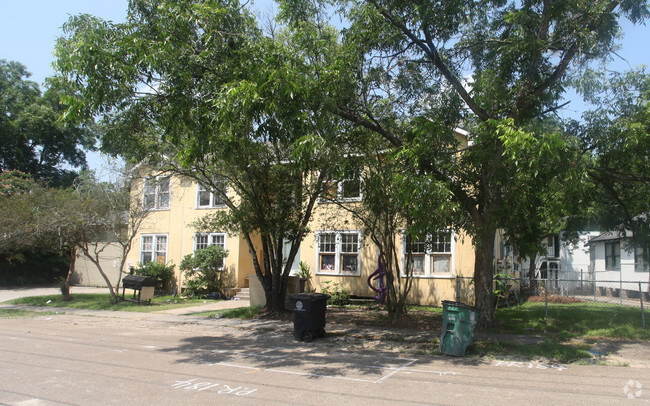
(304, 271)
(338, 296)
(205, 271)
(162, 273)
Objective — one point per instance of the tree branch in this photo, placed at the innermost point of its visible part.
(431, 51)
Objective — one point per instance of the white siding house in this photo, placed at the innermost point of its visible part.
(612, 259)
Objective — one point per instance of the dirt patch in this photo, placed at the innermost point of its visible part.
(378, 318)
(621, 352)
(371, 317)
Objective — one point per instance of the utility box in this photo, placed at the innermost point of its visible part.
(458, 324)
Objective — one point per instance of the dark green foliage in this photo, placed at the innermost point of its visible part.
(33, 139)
(229, 103)
(497, 69)
(204, 271)
(162, 273)
(616, 138)
(32, 267)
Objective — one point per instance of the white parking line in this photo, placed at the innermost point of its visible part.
(403, 366)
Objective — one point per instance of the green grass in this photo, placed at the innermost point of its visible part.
(567, 321)
(101, 301)
(430, 309)
(237, 313)
(567, 336)
(15, 313)
(547, 350)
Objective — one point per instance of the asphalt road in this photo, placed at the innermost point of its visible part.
(72, 359)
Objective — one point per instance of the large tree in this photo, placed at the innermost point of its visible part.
(84, 219)
(496, 68)
(199, 88)
(615, 136)
(33, 139)
(108, 215)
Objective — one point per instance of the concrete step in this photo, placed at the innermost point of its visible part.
(244, 293)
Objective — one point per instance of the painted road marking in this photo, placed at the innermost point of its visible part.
(529, 365)
(278, 355)
(224, 389)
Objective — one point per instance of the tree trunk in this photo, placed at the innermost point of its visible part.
(65, 286)
(531, 272)
(483, 275)
(94, 258)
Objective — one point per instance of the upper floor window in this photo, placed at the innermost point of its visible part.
(552, 246)
(429, 256)
(156, 193)
(206, 198)
(348, 188)
(640, 261)
(338, 252)
(153, 248)
(613, 255)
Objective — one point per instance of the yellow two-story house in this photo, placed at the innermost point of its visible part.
(335, 249)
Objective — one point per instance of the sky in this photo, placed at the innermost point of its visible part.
(29, 28)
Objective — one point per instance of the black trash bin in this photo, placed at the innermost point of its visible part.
(308, 315)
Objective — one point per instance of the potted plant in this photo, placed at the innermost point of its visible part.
(304, 275)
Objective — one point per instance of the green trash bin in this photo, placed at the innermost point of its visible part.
(458, 324)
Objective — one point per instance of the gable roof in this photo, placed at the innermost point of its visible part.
(610, 236)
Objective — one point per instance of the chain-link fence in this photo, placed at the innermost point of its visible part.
(558, 284)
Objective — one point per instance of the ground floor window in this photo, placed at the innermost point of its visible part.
(640, 260)
(613, 255)
(153, 247)
(338, 252)
(286, 250)
(203, 240)
(430, 255)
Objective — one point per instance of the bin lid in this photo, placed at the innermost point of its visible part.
(459, 304)
(308, 296)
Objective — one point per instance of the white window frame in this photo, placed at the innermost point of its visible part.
(339, 252)
(295, 266)
(212, 204)
(211, 237)
(154, 247)
(340, 187)
(429, 254)
(157, 195)
(640, 264)
(612, 254)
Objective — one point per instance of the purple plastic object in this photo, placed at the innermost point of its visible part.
(379, 275)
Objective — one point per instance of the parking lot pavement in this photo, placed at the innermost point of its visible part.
(611, 352)
(71, 360)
